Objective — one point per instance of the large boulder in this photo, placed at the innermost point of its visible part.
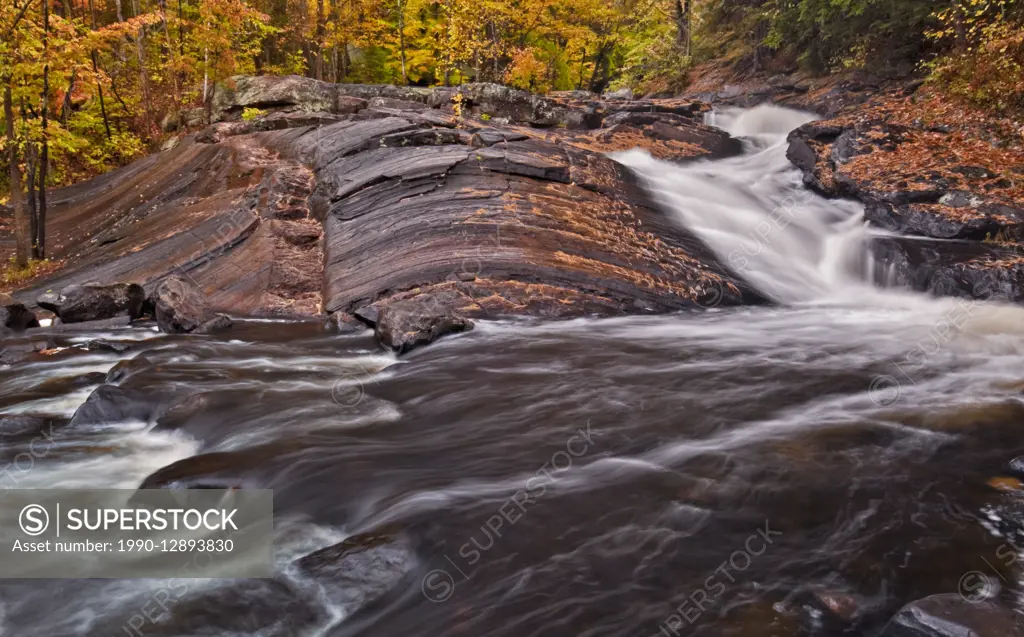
(15, 317)
(258, 92)
(404, 325)
(951, 615)
(180, 306)
(96, 301)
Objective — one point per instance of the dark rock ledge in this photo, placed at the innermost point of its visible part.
(414, 210)
(951, 204)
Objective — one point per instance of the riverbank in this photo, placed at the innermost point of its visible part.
(304, 198)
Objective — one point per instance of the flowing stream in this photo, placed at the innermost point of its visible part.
(804, 468)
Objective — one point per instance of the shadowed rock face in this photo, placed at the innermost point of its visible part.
(953, 616)
(518, 211)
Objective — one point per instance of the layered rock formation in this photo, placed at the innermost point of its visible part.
(484, 200)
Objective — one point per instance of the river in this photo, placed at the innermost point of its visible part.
(799, 468)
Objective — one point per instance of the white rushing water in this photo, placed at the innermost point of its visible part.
(752, 210)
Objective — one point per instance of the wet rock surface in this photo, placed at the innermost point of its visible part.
(95, 301)
(344, 323)
(406, 324)
(113, 404)
(180, 306)
(358, 571)
(127, 368)
(953, 616)
(965, 204)
(337, 197)
(15, 317)
(19, 427)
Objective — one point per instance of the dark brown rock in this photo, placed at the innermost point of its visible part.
(180, 306)
(951, 615)
(111, 404)
(49, 301)
(407, 324)
(103, 345)
(15, 317)
(964, 269)
(361, 569)
(344, 323)
(125, 369)
(97, 301)
(16, 427)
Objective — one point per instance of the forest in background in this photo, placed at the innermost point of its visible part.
(90, 84)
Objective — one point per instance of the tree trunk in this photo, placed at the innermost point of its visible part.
(681, 16)
(65, 107)
(171, 52)
(181, 30)
(21, 238)
(959, 27)
(140, 54)
(44, 160)
(401, 41)
(318, 64)
(599, 80)
(31, 161)
(39, 234)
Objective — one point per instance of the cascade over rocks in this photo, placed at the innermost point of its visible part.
(337, 198)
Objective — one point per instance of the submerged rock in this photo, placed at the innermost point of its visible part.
(361, 569)
(215, 470)
(218, 323)
(112, 404)
(183, 607)
(180, 306)
(124, 369)
(20, 427)
(951, 615)
(103, 345)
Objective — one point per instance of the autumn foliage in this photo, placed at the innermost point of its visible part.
(92, 84)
